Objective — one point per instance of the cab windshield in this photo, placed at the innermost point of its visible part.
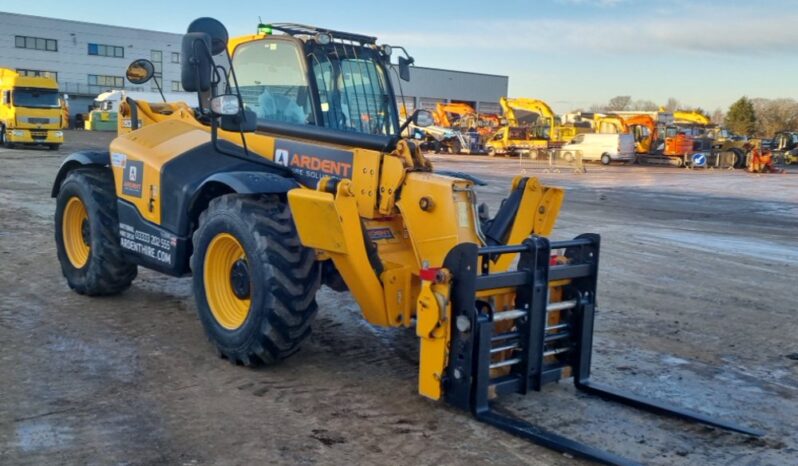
(353, 90)
(36, 98)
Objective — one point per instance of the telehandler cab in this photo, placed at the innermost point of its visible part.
(293, 172)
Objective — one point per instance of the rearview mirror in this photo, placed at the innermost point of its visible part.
(140, 71)
(404, 67)
(196, 65)
(423, 118)
(215, 30)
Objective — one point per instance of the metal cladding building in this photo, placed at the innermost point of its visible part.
(88, 58)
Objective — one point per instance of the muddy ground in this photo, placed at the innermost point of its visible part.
(697, 306)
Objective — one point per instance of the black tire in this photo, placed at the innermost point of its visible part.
(4, 142)
(491, 151)
(107, 271)
(456, 147)
(606, 159)
(739, 158)
(283, 276)
(53, 146)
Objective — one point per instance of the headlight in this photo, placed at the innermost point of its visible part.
(58, 134)
(18, 133)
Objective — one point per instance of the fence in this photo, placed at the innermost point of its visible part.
(552, 160)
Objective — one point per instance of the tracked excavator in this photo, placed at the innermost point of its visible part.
(277, 183)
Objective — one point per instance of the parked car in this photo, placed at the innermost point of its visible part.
(606, 148)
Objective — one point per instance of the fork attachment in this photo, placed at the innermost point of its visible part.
(533, 347)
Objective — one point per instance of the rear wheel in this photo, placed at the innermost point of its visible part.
(606, 159)
(87, 234)
(254, 282)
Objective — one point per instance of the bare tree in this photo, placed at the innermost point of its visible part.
(644, 106)
(775, 115)
(718, 116)
(619, 103)
(672, 105)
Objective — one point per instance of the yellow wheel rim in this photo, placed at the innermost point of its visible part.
(226, 279)
(75, 232)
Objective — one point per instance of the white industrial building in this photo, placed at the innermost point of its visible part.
(88, 59)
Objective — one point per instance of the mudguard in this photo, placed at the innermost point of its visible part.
(76, 160)
(248, 182)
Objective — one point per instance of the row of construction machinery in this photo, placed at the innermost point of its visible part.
(526, 124)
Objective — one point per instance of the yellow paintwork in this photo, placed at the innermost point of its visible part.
(500, 142)
(75, 216)
(154, 145)
(228, 310)
(433, 328)
(13, 118)
(613, 124)
(351, 258)
(680, 116)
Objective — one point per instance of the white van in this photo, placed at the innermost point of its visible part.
(607, 148)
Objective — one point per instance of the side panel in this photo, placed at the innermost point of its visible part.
(151, 246)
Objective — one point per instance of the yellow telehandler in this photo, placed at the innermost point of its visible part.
(292, 173)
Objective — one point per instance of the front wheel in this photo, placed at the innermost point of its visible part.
(4, 142)
(491, 151)
(606, 159)
(53, 146)
(254, 283)
(87, 234)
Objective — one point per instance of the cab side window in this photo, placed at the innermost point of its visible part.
(273, 81)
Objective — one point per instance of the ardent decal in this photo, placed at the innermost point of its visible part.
(310, 163)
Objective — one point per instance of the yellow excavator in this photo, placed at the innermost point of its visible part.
(277, 183)
(547, 127)
(609, 123)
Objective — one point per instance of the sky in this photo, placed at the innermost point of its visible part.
(571, 53)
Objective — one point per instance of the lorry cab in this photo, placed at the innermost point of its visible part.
(606, 148)
(30, 110)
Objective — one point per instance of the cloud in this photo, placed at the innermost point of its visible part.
(719, 33)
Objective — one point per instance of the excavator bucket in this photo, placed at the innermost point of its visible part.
(487, 360)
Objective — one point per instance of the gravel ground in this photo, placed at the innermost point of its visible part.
(695, 307)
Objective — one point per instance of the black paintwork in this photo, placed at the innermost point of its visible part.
(183, 176)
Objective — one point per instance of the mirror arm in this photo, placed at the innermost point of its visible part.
(158, 85)
(241, 113)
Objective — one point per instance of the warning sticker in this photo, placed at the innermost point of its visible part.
(380, 233)
(118, 160)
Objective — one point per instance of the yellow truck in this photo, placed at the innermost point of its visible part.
(30, 110)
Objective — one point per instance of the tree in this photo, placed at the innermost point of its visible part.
(672, 105)
(718, 116)
(775, 115)
(644, 106)
(741, 118)
(619, 103)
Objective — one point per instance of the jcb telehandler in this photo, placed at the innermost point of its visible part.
(293, 172)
